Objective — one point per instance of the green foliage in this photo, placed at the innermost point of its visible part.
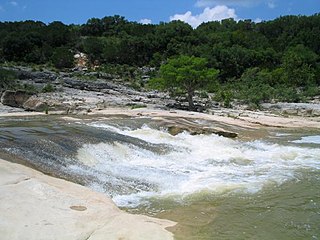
(298, 65)
(28, 88)
(62, 58)
(225, 96)
(48, 88)
(7, 79)
(187, 74)
(93, 47)
(157, 83)
(257, 62)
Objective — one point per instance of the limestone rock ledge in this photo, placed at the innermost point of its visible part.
(35, 206)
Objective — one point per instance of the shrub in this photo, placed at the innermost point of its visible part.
(7, 79)
(62, 58)
(48, 88)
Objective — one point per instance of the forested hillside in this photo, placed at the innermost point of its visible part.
(272, 60)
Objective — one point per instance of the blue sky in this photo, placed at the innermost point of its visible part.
(192, 11)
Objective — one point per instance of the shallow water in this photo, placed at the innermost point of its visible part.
(214, 187)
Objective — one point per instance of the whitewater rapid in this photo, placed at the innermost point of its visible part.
(184, 165)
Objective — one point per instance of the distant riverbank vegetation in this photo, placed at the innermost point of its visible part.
(274, 60)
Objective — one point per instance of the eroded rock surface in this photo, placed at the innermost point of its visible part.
(35, 206)
(14, 98)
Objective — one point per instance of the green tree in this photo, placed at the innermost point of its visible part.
(298, 63)
(15, 47)
(187, 74)
(62, 58)
(93, 47)
(7, 79)
(57, 34)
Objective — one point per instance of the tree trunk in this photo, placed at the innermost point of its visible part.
(190, 101)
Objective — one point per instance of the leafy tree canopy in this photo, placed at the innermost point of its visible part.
(187, 74)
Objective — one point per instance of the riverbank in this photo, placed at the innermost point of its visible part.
(239, 118)
(36, 206)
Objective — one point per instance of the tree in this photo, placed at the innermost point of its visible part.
(298, 63)
(62, 58)
(7, 79)
(16, 47)
(57, 34)
(187, 74)
(93, 47)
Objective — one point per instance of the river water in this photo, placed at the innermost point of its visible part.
(262, 187)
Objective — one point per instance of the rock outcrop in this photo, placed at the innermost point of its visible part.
(295, 109)
(14, 98)
(35, 206)
(74, 95)
(175, 130)
(35, 104)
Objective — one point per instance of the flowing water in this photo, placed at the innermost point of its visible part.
(214, 187)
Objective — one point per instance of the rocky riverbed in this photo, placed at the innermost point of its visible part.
(74, 93)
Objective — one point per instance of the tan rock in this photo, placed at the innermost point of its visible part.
(34, 104)
(35, 206)
(14, 98)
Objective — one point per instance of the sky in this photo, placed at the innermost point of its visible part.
(193, 12)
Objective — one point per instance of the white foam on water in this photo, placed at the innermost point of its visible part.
(309, 139)
(196, 163)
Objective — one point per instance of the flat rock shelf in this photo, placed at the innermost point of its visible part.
(36, 206)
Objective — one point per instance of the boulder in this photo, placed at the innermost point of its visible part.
(316, 113)
(14, 98)
(175, 130)
(35, 104)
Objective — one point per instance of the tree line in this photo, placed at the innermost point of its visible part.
(277, 59)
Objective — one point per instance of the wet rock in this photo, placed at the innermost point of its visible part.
(14, 98)
(175, 130)
(227, 134)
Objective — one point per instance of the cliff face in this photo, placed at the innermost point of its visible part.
(36, 206)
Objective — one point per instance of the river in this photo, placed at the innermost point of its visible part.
(261, 187)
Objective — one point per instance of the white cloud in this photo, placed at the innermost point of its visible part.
(145, 21)
(14, 3)
(271, 4)
(258, 20)
(209, 14)
(210, 3)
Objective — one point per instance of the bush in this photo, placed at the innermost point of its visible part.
(29, 88)
(156, 83)
(7, 79)
(48, 88)
(62, 58)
